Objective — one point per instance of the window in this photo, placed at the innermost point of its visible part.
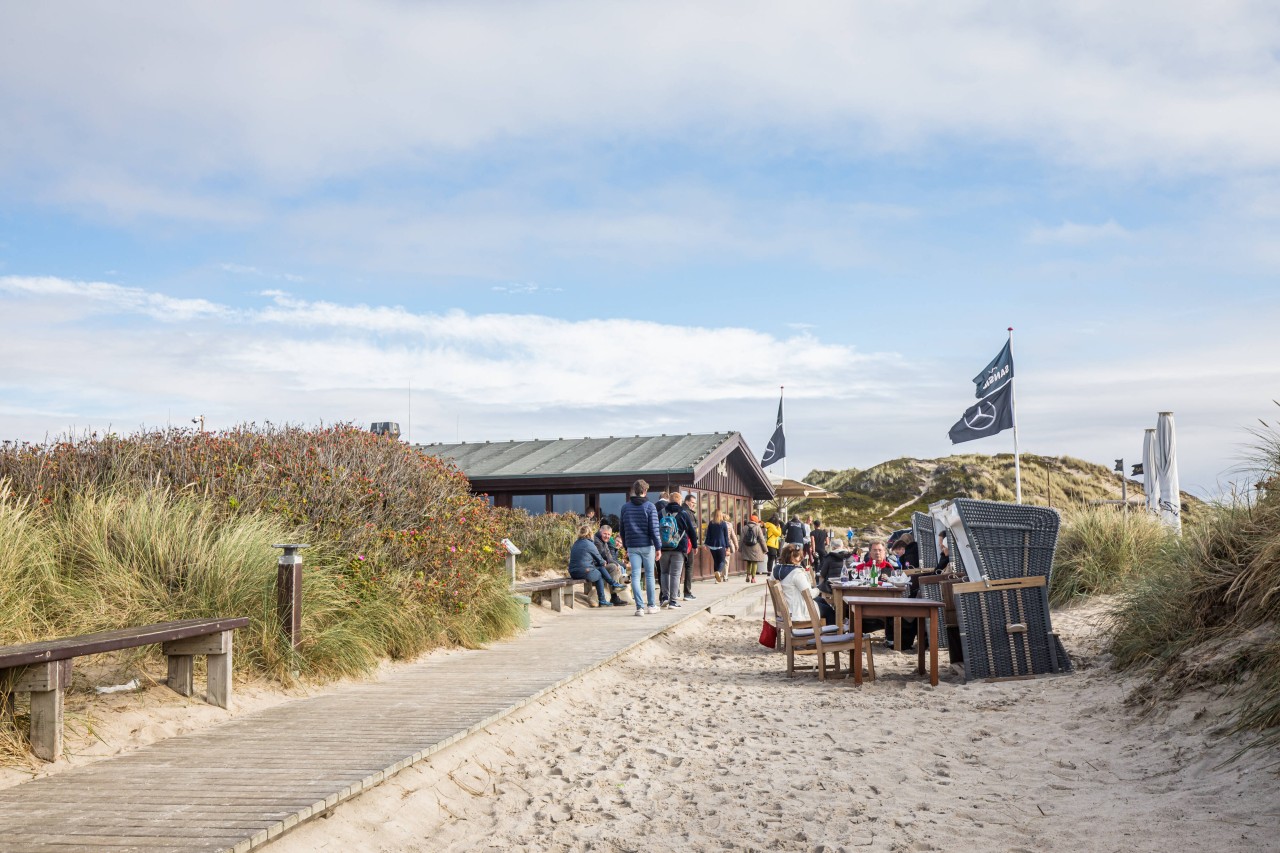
(569, 503)
(532, 504)
(611, 503)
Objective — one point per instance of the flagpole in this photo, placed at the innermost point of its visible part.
(782, 392)
(1013, 406)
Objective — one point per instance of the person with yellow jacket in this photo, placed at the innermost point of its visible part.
(773, 538)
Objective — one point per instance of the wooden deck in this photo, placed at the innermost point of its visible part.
(240, 784)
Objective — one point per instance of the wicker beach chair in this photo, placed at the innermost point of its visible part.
(1009, 540)
(1005, 630)
(931, 588)
(926, 539)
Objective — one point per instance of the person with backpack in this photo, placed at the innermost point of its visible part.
(643, 543)
(754, 546)
(677, 533)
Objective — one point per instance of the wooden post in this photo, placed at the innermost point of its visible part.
(46, 683)
(289, 593)
(217, 648)
(511, 567)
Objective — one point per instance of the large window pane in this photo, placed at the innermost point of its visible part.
(569, 503)
(611, 503)
(532, 504)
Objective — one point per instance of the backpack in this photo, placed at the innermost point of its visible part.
(749, 536)
(670, 530)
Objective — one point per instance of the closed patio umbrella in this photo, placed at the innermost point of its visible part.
(1150, 480)
(1167, 471)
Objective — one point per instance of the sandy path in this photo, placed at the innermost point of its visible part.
(697, 741)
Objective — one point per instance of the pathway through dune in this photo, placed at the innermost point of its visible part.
(695, 741)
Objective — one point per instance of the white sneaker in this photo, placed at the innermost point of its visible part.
(651, 610)
(639, 611)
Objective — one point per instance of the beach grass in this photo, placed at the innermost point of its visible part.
(113, 532)
(1102, 551)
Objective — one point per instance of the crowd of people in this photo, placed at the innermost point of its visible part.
(656, 541)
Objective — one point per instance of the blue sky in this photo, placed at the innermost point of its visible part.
(589, 219)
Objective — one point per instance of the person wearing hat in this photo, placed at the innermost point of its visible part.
(754, 543)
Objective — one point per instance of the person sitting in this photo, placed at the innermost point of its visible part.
(605, 543)
(909, 557)
(795, 580)
(876, 559)
(586, 564)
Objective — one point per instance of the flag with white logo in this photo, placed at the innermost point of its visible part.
(995, 374)
(988, 416)
(777, 445)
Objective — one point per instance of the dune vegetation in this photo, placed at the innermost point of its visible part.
(113, 531)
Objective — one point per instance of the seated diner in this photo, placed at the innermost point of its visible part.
(795, 580)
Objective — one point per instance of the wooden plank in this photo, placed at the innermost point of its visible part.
(252, 777)
(110, 641)
(207, 644)
(182, 674)
(37, 676)
(46, 724)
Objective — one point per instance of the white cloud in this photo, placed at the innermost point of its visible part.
(294, 94)
(1077, 234)
(102, 355)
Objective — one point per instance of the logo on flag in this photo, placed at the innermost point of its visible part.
(999, 371)
(986, 417)
(777, 447)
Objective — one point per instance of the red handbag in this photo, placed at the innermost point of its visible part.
(768, 631)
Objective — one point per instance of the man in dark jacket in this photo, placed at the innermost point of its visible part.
(689, 518)
(612, 563)
(644, 546)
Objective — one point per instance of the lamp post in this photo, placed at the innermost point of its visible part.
(1124, 487)
(289, 592)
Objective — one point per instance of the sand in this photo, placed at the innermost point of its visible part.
(697, 741)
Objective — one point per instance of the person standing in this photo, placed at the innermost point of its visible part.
(674, 539)
(754, 547)
(720, 544)
(640, 537)
(773, 540)
(821, 540)
(690, 515)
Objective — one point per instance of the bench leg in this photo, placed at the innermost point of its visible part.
(182, 674)
(219, 690)
(8, 707)
(557, 598)
(46, 723)
(46, 683)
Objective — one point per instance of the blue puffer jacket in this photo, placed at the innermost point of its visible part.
(583, 557)
(639, 524)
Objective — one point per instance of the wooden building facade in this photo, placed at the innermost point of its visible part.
(574, 475)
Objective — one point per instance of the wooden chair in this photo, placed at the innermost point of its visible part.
(825, 643)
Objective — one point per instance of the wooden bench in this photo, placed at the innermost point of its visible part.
(552, 588)
(43, 669)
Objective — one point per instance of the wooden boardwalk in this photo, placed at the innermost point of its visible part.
(240, 784)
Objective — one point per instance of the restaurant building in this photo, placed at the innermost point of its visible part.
(577, 474)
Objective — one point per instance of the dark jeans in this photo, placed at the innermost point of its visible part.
(773, 559)
(688, 572)
(718, 556)
(595, 576)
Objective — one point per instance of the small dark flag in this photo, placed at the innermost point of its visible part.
(995, 374)
(988, 416)
(777, 445)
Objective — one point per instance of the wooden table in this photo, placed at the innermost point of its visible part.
(841, 591)
(919, 608)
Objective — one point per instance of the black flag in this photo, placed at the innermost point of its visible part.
(777, 445)
(988, 416)
(995, 374)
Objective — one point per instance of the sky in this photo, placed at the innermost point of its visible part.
(504, 220)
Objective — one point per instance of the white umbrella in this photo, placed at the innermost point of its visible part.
(1150, 480)
(1167, 471)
